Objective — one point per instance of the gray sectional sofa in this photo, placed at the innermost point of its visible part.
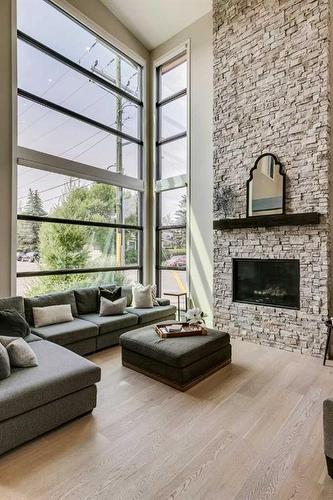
(63, 385)
(328, 434)
(90, 332)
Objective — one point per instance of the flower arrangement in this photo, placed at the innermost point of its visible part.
(195, 316)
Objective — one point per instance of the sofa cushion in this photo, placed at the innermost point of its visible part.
(178, 352)
(13, 324)
(60, 372)
(13, 304)
(163, 301)
(32, 338)
(126, 291)
(52, 299)
(67, 333)
(86, 300)
(156, 313)
(109, 324)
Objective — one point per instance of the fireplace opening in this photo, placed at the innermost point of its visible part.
(269, 282)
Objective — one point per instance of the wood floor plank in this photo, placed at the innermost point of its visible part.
(250, 431)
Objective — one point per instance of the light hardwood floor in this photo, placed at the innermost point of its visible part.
(251, 431)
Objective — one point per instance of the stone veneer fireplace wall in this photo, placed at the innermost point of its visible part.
(271, 94)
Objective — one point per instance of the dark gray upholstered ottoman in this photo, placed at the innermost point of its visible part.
(179, 362)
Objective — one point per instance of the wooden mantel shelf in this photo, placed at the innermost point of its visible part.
(269, 221)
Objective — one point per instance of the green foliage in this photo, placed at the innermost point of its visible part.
(47, 284)
(65, 246)
(28, 232)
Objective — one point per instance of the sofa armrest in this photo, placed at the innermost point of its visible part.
(328, 427)
(163, 302)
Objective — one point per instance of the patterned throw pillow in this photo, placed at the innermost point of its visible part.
(153, 294)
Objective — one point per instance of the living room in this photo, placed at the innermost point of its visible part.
(166, 255)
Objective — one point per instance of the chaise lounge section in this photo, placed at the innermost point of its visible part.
(37, 399)
(63, 385)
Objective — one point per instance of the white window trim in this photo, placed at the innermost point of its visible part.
(43, 161)
(161, 185)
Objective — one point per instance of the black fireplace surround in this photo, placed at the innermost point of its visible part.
(267, 282)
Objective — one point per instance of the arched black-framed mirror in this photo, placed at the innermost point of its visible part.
(265, 188)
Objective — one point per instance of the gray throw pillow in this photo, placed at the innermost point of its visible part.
(13, 324)
(4, 362)
(20, 354)
(109, 308)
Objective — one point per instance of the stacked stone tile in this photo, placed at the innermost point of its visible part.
(271, 94)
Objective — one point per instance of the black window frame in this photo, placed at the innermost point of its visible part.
(139, 141)
(160, 142)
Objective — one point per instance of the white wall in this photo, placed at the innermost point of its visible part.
(6, 101)
(200, 35)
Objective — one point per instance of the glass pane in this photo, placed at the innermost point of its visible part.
(29, 287)
(173, 118)
(50, 246)
(63, 34)
(173, 248)
(51, 132)
(173, 207)
(45, 77)
(173, 77)
(55, 195)
(173, 158)
(173, 281)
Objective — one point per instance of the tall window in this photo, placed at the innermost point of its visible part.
(79, 156)
(171, 175)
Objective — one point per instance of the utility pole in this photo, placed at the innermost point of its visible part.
(120, 242)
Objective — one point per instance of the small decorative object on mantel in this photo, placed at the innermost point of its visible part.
(186, 330)
(224, 199)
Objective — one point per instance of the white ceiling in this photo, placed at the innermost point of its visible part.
(155, 21)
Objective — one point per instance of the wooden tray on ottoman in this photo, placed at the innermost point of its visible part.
(186, 331)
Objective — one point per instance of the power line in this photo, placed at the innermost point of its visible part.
(65, 73)
(56, 187)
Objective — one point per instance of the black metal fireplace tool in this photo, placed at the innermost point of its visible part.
(329, 325)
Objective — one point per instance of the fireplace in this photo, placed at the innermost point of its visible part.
(267, 282)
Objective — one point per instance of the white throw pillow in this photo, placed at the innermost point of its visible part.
(51, 315)
(142, 296)
(112, 308)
